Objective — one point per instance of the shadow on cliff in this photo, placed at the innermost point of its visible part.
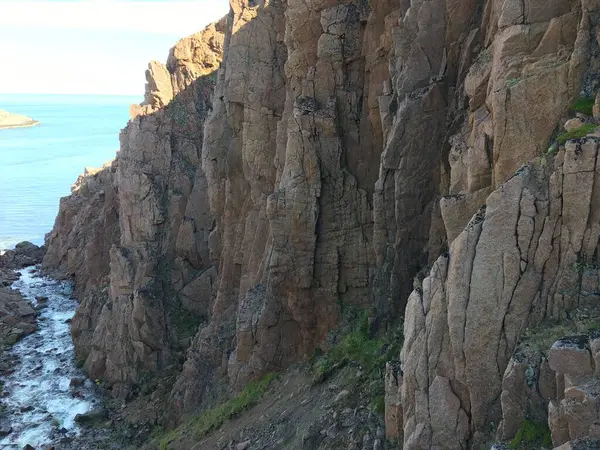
(134, 234)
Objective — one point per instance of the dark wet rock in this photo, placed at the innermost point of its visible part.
(5, 430)
(28, 447)
(27, 328)
(25, 409)
(91, 417)
(12, 339)
(10, 320)
(76, 382)
(24, 254)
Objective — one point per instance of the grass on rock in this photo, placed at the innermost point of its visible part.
(212, 419)
(531, 436)
(359, 348)
(579, 133)
(584, 105)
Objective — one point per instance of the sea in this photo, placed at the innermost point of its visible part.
(38, 165)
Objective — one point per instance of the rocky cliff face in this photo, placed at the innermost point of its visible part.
(134, 233)
(299, 158)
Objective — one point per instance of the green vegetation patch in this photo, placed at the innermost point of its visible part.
(212, 419)
(531, 436)
(358, 348)
(580, 267)
(378, 404)
(584, 105)
(579, 133)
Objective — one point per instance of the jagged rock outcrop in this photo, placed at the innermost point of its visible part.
(574, 413)
(86, 228)
(293, 219)
(134, 234)
(510, 268)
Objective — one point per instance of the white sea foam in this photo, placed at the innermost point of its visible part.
(40, 402)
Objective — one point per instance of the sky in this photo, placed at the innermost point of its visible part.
(92, 46)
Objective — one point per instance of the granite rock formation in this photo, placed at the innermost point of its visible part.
(300, 157)
(133, 234)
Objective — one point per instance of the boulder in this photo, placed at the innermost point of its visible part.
(573, 124)
(572, 356)
(24, 254)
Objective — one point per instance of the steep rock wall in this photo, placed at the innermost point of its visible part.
(346, 144)
(290, 153)
(142, 267)
(512, 266)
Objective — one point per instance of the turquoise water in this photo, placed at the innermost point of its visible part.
(38, 165)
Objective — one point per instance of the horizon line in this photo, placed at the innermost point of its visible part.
(69, 93)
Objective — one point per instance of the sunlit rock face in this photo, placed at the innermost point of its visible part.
(134, 234)
(299, 157)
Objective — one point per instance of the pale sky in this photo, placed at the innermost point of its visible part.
(92, 46)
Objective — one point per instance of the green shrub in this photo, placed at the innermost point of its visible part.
(211, 419)
(531, 436)
(359, 348)
(579, 133)
(584, 105)
(379, 404)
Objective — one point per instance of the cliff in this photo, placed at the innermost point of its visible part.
(10, 120)
(298, 160)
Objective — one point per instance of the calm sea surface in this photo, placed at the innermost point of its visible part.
(39, 164)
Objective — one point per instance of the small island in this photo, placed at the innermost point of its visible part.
(9, 120)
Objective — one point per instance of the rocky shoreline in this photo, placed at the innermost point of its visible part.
(103, 425)
(9, 120)
(17, 317)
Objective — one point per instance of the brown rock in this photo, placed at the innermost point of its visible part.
(133, 233)
(571, 356)
(465, 303)
(572, 125)
(393, 407)
(596, 110)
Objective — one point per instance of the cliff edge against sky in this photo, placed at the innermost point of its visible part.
(299, 160)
